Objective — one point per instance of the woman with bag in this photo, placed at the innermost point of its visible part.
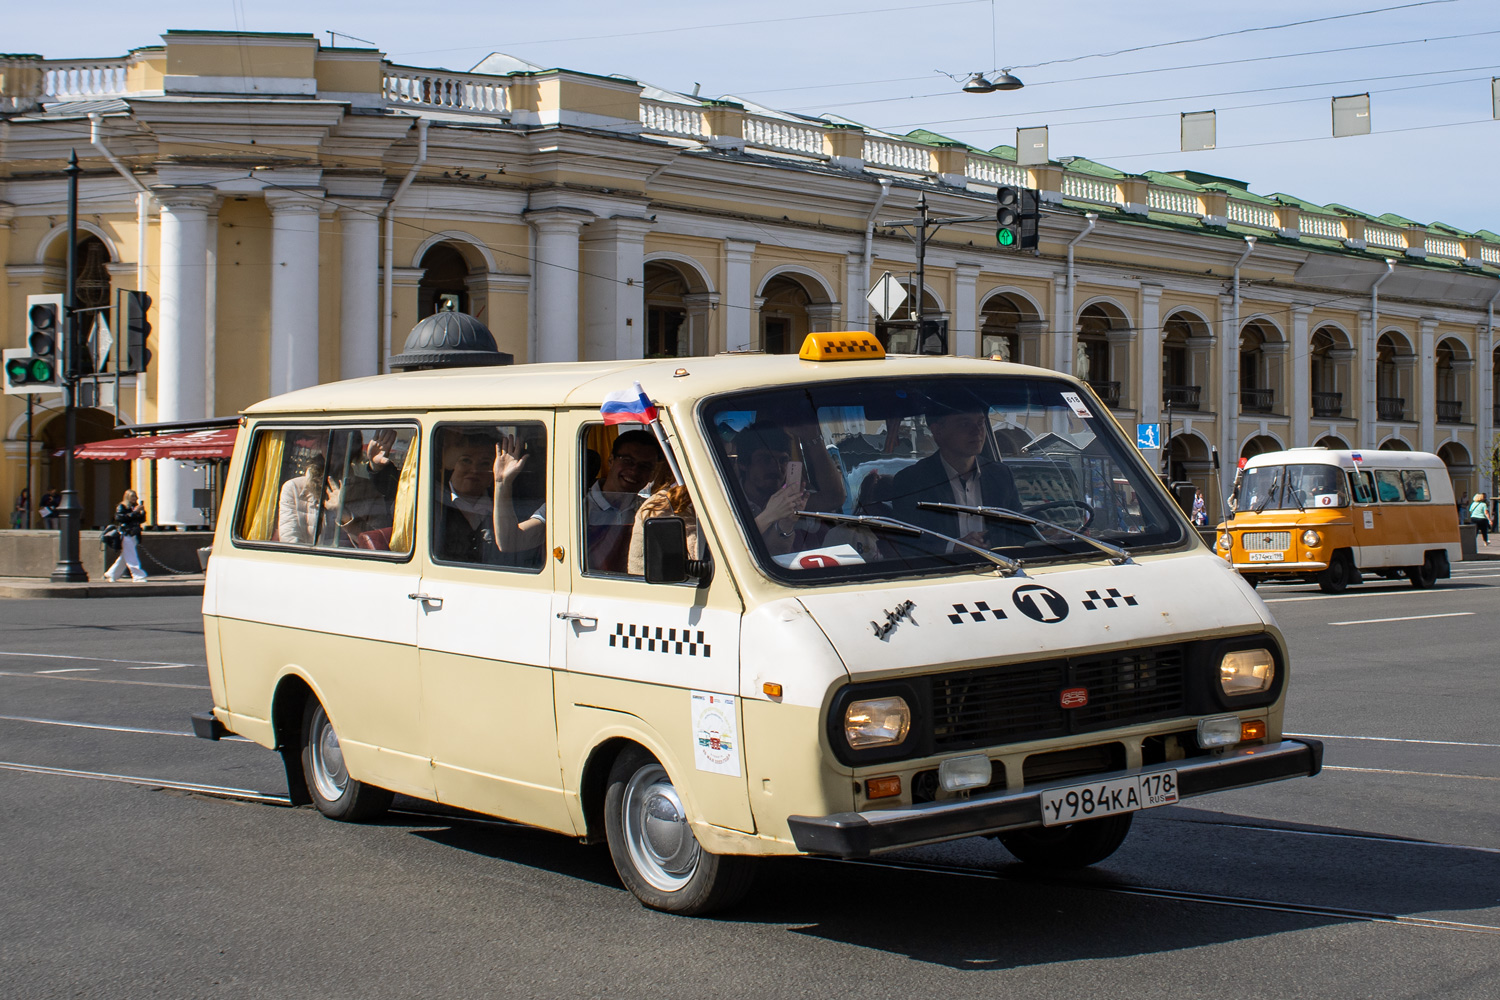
(1479, 516)
(129, 516)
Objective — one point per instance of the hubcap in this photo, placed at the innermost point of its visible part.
(328, 771)
(657, 834)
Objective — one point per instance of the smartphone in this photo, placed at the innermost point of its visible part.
(794, 475)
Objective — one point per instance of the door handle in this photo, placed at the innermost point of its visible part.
(435, 602)
(587, 621)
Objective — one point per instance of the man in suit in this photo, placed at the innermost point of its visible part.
(959, 472)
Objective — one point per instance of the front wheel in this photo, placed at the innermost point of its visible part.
(336, 795)
(653, 847)
(1335, 579)
(1076, 845)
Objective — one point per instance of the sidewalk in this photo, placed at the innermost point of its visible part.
(187, 585)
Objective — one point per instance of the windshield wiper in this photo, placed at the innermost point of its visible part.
(1270, 492)
(1117, 554)
(902, 528)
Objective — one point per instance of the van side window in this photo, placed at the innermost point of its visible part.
(331, 488)
(1362, 486)
(621, 466)
(1388, 486)
(489, 495)
(1414, 486)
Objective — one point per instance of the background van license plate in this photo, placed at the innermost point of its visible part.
(1265, 556)
(1106, 798)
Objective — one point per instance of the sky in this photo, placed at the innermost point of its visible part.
(1427, 67)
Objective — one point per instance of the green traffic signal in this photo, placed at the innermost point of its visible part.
(1005, 237)
(28, 371)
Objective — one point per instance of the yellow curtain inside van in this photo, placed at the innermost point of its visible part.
(258, 523)
(405, 515)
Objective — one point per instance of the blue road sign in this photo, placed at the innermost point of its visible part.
(1147, 436)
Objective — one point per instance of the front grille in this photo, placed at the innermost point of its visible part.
(1013, 704)
(1266, 541)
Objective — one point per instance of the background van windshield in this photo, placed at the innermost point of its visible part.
(1290, 487)
(883, 447)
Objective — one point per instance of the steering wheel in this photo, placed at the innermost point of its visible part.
(1088, 511)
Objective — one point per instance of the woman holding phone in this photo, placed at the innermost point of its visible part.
(777, 486)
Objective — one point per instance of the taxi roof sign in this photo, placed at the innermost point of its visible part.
(846, 345)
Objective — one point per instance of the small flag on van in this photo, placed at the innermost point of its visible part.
(628, 406)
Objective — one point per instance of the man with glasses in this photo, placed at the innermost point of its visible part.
(610, 502)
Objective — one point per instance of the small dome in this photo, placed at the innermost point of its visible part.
(449, 340)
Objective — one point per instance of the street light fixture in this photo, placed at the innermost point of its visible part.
(1005, 81)
(979, 85)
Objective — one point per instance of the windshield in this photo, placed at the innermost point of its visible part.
(1291, 487)
(884, 447)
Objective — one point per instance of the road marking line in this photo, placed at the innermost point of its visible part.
(1392, 739)
(1424, 774)
(112, 729)
(1394, 841)
(70, 670)
(130, 779)
(99, 659)
(164, 666)
(1409, 592)
(105, 680)
(1404, 618)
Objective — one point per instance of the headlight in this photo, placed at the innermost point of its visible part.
(1247, 671)
(1226, 541)
(877, 722)
(1311, 539)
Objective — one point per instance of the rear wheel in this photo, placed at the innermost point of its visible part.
(1424, 576)
(336, 795)
(1335, 579)
(653, 847)
(1076, 845)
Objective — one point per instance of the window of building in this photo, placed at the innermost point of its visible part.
(331, 488)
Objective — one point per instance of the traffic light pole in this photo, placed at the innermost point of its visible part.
(920, 227)
(69, 568)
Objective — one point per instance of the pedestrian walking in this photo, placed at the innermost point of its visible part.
(129, 516)
(1479, 516)
(21, 516)
(48, 509)
(1200, 509)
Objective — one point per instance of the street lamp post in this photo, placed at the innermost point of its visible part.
(69, 568)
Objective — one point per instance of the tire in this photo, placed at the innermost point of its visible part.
(1424, 576)
(653, 847)
(1335, 579)
(1076, 845)
(333, 791)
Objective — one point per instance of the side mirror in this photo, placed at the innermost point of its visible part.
(666, 553)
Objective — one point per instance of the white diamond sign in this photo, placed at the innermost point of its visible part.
(886, 297)
(101, 342)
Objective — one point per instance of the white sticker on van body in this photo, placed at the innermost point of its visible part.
(678, 645)
(927, 624)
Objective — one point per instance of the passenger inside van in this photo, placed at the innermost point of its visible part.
(463, 530)
(301, 503)
(959, 472)
(763, 453)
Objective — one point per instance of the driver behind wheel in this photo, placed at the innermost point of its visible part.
(959, 472)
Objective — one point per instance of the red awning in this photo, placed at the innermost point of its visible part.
(215, 443)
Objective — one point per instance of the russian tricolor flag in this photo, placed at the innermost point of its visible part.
(629, 406)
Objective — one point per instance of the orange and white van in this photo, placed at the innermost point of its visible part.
(1334, 517)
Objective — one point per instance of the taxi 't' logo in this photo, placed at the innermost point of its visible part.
(1042, 604)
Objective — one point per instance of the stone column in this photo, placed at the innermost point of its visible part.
(294, 288)
(555, 276)
(1301, 361)
(211, 312)
(741, 319)
(614, 294)
(1274, 356)
(359, 287)
(822, 317)
(1484, 416)
(180, 337)
(1407, 375)
(1427, 394)
(1064, 328)
(1369, 382)
(1228, 404)
(700, 309)
(857, 306)
(1029, 336)
(963, 338)
(1149, 396)
(1343, 361)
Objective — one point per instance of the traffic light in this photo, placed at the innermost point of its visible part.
(1018, 215)
(134, 327)
(37, 368)
(1008, 216)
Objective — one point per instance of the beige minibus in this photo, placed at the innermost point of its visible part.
(837, 603)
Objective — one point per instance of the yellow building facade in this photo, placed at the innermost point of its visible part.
(294, 209)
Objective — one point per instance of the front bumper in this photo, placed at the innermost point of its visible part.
(860, 834)
(1281, 567)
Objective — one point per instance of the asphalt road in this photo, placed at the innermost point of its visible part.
(1380, 877)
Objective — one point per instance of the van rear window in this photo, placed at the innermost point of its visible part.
(334, 489)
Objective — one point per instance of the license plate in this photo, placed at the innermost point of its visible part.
(1266, 556)
(1106, 798)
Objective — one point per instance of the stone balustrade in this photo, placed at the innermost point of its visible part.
(409, 86)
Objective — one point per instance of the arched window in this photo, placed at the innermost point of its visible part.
(1184, 360)
(1452, 382)
(1328, 370)
(1393, 369)
(1257, 378)
(1094, 356)
(445, 282)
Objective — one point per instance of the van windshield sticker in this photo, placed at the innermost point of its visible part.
(1076, 403)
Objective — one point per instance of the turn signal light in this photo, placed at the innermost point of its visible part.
(883, 788)
(771, 690)
(1254, 729)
